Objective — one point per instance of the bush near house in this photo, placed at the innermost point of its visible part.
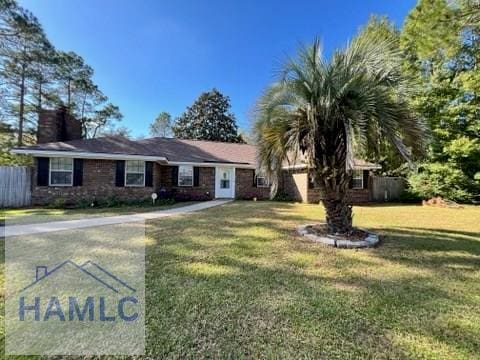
(437, 179)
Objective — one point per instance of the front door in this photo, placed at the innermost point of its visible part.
(225, 182)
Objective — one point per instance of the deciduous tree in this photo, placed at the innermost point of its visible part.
(442, 59)
(209, 118)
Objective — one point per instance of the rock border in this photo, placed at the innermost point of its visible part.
(370, 241)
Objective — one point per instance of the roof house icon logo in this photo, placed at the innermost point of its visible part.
(78, 292)
(73, 292)
(93, 270)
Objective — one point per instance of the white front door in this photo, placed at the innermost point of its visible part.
(225, 182)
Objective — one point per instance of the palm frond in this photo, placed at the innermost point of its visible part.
(330, 109)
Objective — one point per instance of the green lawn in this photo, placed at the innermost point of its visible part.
(235, 282)
(41, 214)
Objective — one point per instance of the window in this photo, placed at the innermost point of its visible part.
(185, 175)
(357, 179)
(262, 181)
(134, 173)
(61, 172)
(225, 180)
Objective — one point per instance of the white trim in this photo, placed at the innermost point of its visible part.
(267, 184)
(355, 167)
(193, 176)
(232, 182)
(294, 167)
(210, 164)
(110, 156)
(87, 155)
(144, 174)
(50, 173)
(367, 167)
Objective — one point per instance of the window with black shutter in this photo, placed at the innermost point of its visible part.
(77, 172)
(148, 173)
(120, 173)
(43, 168)
(196, 176)
(174, 175)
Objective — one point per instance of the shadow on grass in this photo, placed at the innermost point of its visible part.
(230, 285)
(235, 281)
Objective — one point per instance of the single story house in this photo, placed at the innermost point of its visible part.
(296, 183)
(74, 169)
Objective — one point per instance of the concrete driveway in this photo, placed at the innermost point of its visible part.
(30, 229)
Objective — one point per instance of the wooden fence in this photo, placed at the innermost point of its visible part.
(386, 188)
(15, 186)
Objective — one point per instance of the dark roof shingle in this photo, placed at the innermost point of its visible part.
(175, 150)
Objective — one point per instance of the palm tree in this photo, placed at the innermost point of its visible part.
(327, 110)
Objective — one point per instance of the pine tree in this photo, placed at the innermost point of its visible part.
(34, 75)
(23, 46)
(162, 125)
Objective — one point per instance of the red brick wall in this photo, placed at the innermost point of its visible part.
(57, 125)
(98, 183)
(295, 184)
(355, 196)
(244, 186)
(205, 189)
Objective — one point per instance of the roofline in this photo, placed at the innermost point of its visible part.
(87, 155)
(110, 156)
(294, 167)
(209, 164)
(367, 167)
(355, 167)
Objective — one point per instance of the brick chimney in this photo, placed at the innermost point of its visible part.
(57, 125)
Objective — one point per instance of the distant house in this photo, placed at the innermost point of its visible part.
(73, 169)
(296, 182)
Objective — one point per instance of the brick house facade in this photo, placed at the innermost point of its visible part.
(71, 169)
(99, 183)
(296, 185)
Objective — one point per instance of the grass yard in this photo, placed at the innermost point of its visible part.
(42, 214)
(235, 282)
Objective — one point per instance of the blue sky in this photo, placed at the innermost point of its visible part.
(152, 56)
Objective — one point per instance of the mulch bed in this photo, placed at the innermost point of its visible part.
(355, 235)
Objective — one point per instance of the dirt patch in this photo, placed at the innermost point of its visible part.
(441, 202)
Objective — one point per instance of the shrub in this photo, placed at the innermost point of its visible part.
(283, 196)
(58, 204)
(178, 196)
(409, 196)
(84, 203)
(161, 202)
(439, 179)
(114, 201)
(111, 201)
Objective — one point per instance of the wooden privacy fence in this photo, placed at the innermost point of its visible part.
(15, 186)
(386, 188)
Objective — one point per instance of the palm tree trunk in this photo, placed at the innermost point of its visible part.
(339, 215)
